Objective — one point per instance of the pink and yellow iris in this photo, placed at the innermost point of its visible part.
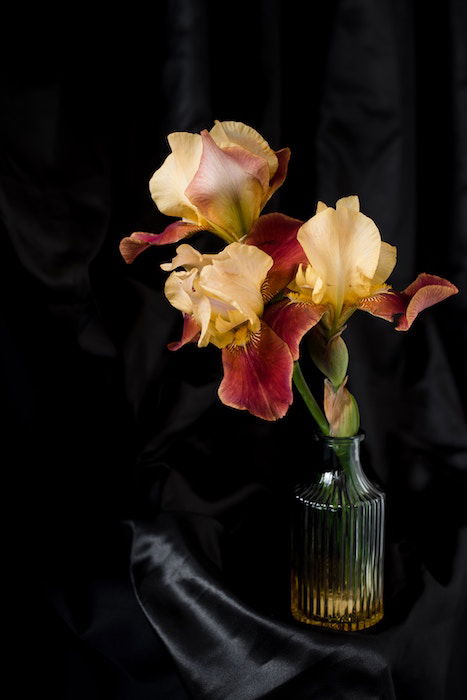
(216, 181)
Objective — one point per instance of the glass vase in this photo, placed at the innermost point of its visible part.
(337, 540)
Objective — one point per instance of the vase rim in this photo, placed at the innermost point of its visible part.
(331, 440)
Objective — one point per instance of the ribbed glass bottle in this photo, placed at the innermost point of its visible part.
(337, 539)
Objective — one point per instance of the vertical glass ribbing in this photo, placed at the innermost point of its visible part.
(337, 533)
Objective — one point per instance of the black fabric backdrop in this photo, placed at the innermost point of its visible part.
(149, 522)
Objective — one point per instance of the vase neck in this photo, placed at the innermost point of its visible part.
(340, 455)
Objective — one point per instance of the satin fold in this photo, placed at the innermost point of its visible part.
(223, 648)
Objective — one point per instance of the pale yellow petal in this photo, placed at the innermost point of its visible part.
(386, 262)
(202, 314)
(187, 256)
(169, 182)
(342, 245)
(321, 206)
(237, 280)
(234, 318)
(318, 291)
(179, 290)
(227, 134)
(352, 202)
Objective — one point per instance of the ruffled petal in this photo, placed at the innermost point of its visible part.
(276, 235)
(291, 320)
(132, 246)
(179, 291)
(190, 333)
(227, 134)
(237, 279)
(258, 376)
(425, 291)
(227, 188)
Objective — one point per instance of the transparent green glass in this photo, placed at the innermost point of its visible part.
(337, 540)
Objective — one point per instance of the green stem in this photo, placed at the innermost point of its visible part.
(309, 399)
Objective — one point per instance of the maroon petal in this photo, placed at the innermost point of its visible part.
(276, 235)
(385, 305)
(283, 156)
(258, 375)
(290, 320)
(425, 291)
(132, 246)
(190, 333)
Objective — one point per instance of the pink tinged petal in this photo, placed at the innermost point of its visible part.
(227, 188)
(283, 157)
(190, 333)
(276, 235)
(227, 134)
(258, 376)
(132, 246)
(291, 320)
(425, 291)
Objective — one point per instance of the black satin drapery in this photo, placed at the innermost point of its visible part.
(150, 522)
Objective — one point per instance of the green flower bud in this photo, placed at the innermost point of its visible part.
(330, 355)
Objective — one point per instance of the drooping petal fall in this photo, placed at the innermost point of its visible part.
(403, 307)
(291, 320)
(258, 375)
(190, 333)
(132, 246)
(276, 235)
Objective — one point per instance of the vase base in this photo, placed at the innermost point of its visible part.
(346, 623)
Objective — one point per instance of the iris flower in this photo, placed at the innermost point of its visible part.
(344, 267)
(223, 299)
(216, 181)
